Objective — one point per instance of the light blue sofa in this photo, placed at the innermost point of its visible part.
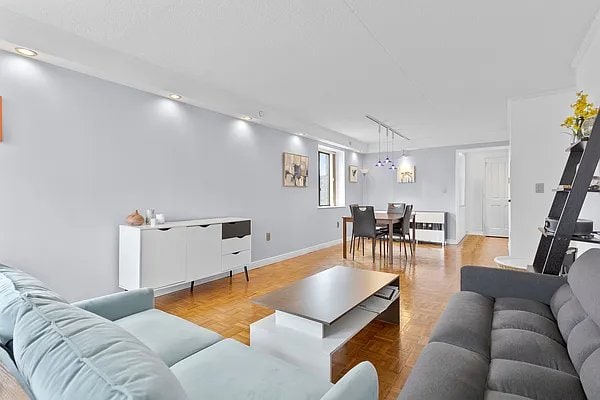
(120, 347)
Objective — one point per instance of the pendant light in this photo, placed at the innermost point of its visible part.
(379, 163)
(387, 146)
(393, 166)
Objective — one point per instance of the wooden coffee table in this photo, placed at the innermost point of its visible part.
(317, 315)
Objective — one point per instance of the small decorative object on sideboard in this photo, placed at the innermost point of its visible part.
(135, 219)
(150, 214)
(581, 122)
(160, 219)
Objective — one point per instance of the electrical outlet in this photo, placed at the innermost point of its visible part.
(539, 188)
(268, 236)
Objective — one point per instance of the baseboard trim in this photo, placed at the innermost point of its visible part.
(292, 254)
(255, 264)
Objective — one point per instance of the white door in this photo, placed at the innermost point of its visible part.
(203, 251)
(495, 216)
(163, 257)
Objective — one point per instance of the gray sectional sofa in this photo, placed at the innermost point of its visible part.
(511, 335)
(119, 347)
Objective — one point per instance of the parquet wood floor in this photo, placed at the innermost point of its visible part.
(427, 282)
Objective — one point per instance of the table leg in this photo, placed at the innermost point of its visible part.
(414, 233)
(344, 234)
(391, 241)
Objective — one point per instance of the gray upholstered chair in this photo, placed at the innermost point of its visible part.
(403, 229)
(364, 225)
(352, 206)
(396, 208)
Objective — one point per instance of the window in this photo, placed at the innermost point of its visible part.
(331, 177)
(326, 179)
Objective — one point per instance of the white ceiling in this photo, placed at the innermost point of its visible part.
(440, 72)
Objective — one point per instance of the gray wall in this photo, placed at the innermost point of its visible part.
(81, 153)
(433, 190)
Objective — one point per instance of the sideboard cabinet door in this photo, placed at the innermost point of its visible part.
(203, 251)
(163, 257)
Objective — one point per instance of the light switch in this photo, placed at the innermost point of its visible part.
(539, 188)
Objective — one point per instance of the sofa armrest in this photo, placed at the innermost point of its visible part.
(360, 383)
(495, 282)
(119, 305)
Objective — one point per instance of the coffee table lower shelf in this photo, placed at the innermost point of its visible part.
(309, 344)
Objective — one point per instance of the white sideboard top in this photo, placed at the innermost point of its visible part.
(192, 222)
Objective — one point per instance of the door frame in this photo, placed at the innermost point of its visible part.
(484, 198)
(458, 210)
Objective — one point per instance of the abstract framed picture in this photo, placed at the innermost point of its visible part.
(353, 173)
(295, 170)
(405, 174)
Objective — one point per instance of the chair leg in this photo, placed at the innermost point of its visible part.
(410, 244)
(354, 252)
(352, 244)
(405, 252)
(373, 249)
(363, 245)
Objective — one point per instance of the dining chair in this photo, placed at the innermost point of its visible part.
(396, 208)
(364, 226)
(352, 206)
(403, 230)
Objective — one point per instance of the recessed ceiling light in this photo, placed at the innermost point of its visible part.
(174, 96)
(26, 52)
(300, 134)
(246, 118)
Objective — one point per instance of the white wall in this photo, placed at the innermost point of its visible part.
(537, 155)
(588, 79)
(475, 184)
(587, 65)
(81, 153)
(537, 150)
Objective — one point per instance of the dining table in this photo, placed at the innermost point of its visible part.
(381, 218)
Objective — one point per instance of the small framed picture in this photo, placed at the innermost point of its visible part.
(353, 175)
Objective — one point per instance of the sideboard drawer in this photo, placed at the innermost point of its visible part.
(236, 229)
(235, 244)
(236, 260)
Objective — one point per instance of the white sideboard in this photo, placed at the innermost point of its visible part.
(182, 251)
(431, 226)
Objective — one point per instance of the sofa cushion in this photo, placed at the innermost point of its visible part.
(583, 341)
(590, 371)
(466, 323)
(530, 347)
(559, 298)
(532, 306)
(569, 315)
(171, 337)
(13, 285)
(493, 395)
(447, 372)
(533, 381)
(67, 353)
(524, 320)
(584, 279)
(232, 370)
